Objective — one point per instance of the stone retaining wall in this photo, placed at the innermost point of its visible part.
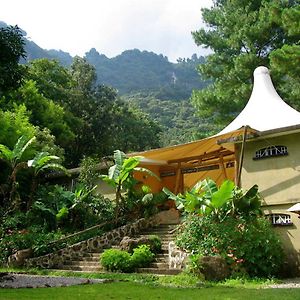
(96, 244)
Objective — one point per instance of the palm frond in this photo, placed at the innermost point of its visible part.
(22, 144)
(53, 166)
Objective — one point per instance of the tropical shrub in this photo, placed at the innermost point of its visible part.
(120, 177)
(17, 160)
(248, 244)
(58, 207)
(155, 243)
(13, 240)
(206, 198)
(116, 260)
(141, 256)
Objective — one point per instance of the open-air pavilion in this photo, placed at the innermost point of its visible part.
(260, 146)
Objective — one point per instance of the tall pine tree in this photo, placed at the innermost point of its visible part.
(243, 35)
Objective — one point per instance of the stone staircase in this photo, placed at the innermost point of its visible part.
(161, 262)
(89, 262)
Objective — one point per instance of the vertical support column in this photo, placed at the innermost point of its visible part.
(178, 177)
(240, 166)
(222, 166)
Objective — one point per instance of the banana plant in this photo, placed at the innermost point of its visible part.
(206, 198)
(41, 162)
(15, 160)
(120, 175)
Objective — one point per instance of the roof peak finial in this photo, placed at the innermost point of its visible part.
(261, 70)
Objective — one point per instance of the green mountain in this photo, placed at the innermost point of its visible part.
(142, 71)
(148, 81)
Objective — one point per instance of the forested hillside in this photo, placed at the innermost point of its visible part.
(178, 119)
(135, 71)
(147, 81)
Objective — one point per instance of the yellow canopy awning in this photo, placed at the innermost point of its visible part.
(182, 166)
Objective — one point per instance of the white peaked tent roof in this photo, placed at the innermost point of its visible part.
(265, 109)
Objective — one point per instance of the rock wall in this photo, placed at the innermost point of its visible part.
(96, 244)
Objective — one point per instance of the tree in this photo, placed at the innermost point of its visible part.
(242, 35)
(11, 50)
(52, 80)
(285, 61)
(43, 112)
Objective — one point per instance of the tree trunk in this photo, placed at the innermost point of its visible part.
(118, 197)
(14, 197)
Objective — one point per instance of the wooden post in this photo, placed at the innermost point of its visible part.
(178, 175)
(223, 167)
(241, 158)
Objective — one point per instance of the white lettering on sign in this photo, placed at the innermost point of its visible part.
(280, 219)
(271, 151)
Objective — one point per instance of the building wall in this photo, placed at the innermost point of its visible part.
(278, 179)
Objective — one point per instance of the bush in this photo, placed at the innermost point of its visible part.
(116, 260)
(24, 239)
(155, 243)
(142, 256)
(119, 260)
(248, 244)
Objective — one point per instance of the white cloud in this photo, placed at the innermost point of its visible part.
(110, 26)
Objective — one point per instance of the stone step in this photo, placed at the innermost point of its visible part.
(92, 254)
(90, 258)
(159, 265)
(162, 256)
(157, 231)
(82, 263)
(90, 261)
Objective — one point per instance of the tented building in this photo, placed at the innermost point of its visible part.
(260, 146)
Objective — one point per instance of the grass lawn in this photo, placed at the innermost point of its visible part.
(131, 290)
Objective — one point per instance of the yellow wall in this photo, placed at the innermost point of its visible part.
(278, 179)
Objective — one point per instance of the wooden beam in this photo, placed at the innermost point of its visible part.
(207, 163)
(204, 156)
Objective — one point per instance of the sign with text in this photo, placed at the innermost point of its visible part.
(271, 151)
(280, 219)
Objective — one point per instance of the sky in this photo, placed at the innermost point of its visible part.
(109, 26)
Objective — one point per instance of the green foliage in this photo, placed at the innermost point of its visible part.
(177, 118)
(44, 112)
(206, 198)
(134, 71)
(155, 241)
(88, 172)
(116, 260)
(71, 211)
(142, 256)
(12, 49)
(14, 124)
(244, 35)
(14, 236)
(249, 244)
(120, 176)
(183, 279)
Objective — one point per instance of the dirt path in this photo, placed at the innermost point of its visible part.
(34, 281)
